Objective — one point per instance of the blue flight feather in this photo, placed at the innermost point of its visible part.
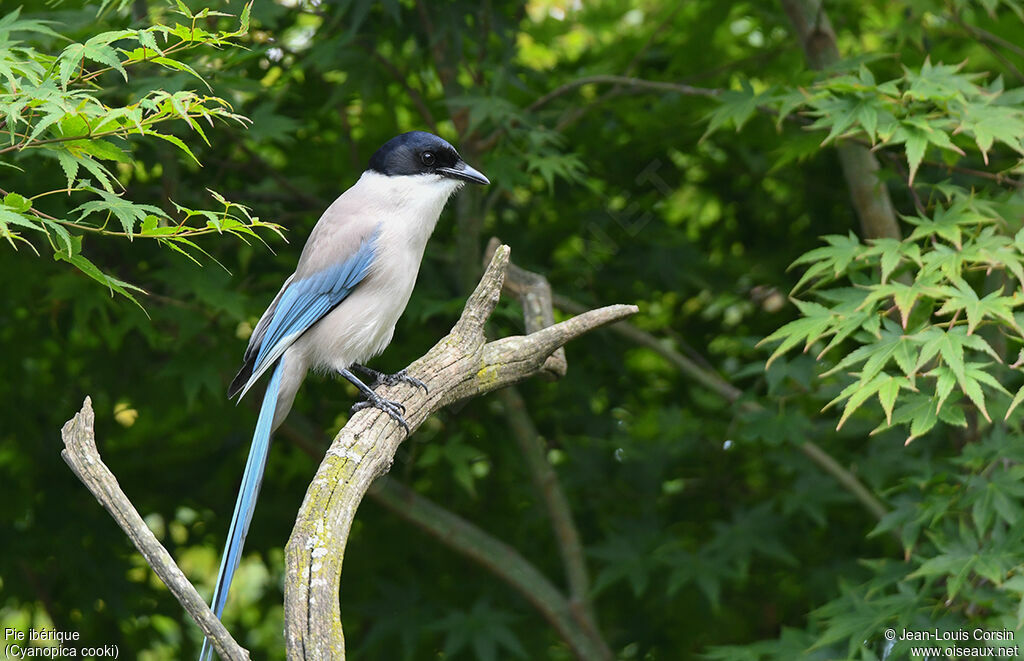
(305, 301)
(246, 502)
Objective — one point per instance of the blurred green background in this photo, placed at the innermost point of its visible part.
(703, 525)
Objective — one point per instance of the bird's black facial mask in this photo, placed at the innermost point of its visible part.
(419, 152)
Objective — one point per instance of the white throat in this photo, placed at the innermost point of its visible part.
(407, 205)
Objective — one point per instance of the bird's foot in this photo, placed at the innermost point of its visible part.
(401, 376)
(393, 409)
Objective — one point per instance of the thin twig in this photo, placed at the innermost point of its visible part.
(546, 483)
(989, 41)
(34, 211)
(627, 81)
(1004, 61)
(990, 36)
(574, 114)
(997, 177)
(622, 81)
(690, 368)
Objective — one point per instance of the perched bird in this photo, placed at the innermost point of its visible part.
(340, 307)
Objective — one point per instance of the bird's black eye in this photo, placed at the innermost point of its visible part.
(428, 158)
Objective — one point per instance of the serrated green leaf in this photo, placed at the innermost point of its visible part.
(127, 212)
(735, 107)
(905, 356)
(953, 415)
(99, 148)
(915, 146)
(115, 285)
(887, 393)
(148, 40)
(9, 216)
(815, 324)
(170, 63)
(916, 410)
(1017, 399)
(69, 164)
(972, 389)
(98, 171)
(945, 381)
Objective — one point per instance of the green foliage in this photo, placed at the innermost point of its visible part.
(482, 629)
(710, 527)
(919, 324)
(51, 107)
(923, 311)
(921, 333)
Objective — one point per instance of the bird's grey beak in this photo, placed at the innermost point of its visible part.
(465, 172)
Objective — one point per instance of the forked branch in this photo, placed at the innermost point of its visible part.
(462, 365)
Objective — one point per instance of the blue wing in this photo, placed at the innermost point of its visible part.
(301, 304)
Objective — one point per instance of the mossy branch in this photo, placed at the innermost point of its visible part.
(462, 365)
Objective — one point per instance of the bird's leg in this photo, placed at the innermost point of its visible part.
(391, 379)
(373, 400)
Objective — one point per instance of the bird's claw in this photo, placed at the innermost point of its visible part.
(392, 408)
(402, 376)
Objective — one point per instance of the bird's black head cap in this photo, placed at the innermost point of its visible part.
(415, 152)
(419, 152)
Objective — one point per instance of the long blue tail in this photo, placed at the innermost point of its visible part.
(246, 502)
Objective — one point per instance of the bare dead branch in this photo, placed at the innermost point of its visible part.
(81, 455)
(534, 295)
(462, 365)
